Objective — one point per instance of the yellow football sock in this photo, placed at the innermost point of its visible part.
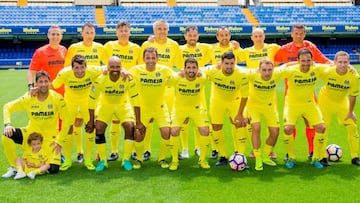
(204, 142)
(241, 135)
(212, 142)
(89, 145)
(353, 140)
(101, 149)
(9, 149)
(267, 149)
(257, 153)
(289, 145)
(19, 169)
(37, 171)
(164, 145)
(115, 137)
(148, 136)
(197, 138)
(128, 147)
(67, 147)
(139, 148)
(174, 143)
(78, 137)
(319, 147)
(184, 135)
(219, 140)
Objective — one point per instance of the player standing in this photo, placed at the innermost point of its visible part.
(288, 53)
(262, 102)
(113, 93)
(129, 54)
(151, 79)
(95, 55)
(202, 53)
(78, 79)
(299, 101)
(341, 87)
(169, 54)
(229, 91)
(224, 44)
(189, 93)
(50, 57)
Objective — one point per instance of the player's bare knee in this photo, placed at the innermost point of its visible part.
(175, 131)
(320, 128)
(216, 127)
(288, 129)
(204, 131)
(165, 133)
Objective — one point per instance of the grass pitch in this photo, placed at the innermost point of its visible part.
(304, 183)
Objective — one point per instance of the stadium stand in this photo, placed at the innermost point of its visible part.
(319, 15)
(306, 2)
(21, 24)
(197, 2)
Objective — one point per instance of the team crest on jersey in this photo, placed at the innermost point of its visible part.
(131, 51)
(40, 156)
(87, 80)
(272, 82)
(232, 82)
(197, 50)
(50, 106)
(312, 74)
(265, 50)
(167, 50)
(157, 74)
(197, 85)
(94, 50)
(346, 82)
(121, 86)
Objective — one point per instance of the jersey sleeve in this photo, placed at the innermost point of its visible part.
(355, 85)
(133, 93)
(94, 93)
(14, 106)
(69, 55)
(36, 61)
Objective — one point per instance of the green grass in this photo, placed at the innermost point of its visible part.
(189, 184)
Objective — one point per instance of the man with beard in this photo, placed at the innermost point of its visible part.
(113, 92)
(229, 91)
(189, 93)
(78, 79)
(224, 44)
(95, 55)
(43, 111)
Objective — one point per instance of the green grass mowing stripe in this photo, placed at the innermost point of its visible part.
(189, 184)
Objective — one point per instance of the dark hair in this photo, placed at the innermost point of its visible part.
(304, 51)
(150, 49)
(191, 60)
(122, 24)
(227, 55)
(80, 59)
(40, 74)
(34, 136)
